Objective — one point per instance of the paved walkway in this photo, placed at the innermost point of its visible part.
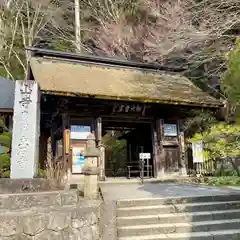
(118, 191)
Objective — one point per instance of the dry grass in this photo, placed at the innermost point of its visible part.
(56, 171)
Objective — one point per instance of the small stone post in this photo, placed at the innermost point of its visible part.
(90, 169)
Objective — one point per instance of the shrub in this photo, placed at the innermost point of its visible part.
(222, 145)
(224, 181)
(41, 173)
(5, 141)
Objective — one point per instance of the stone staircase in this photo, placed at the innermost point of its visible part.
(194, 218)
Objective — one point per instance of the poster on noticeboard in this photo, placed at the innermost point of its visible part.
(80, 132)
(198, 152)
(78, 158)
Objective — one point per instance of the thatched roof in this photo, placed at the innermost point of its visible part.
(108, 81)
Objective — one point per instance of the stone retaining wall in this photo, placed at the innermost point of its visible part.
(8, 185)
(48, 215)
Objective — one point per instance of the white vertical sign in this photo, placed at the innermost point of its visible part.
(197, 150)
(26, 129)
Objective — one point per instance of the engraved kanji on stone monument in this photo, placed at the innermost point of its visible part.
(26, 91)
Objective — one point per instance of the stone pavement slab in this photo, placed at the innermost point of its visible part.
(159, 190)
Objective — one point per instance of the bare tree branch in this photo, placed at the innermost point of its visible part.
(196, 33)
(27, 23)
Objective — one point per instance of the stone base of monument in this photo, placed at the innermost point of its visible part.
(75, 181)
(91, 183)
(90, 169)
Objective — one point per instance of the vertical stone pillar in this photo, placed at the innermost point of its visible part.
(26, 129)
(90, 169)
(101, 147)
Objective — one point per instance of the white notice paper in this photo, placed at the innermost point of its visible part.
(197, 150)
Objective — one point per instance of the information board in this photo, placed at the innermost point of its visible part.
(80, 132)
(170, 130)
(197, 150)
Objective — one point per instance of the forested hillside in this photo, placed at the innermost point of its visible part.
(194, 35)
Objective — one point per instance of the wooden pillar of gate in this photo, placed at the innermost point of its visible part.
(66, 140)
(100, 145)
(181, 137)
(158, 153)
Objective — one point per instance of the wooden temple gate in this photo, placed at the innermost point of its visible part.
(80, 93)
(162, 137)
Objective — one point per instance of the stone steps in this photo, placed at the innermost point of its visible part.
(167, 228)
(176, 200)
(214, 235)
(200, 218)
(178, 217)
(177, 208)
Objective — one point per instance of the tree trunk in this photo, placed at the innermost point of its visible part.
(77, 25)
(235, 166)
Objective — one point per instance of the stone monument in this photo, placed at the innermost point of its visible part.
(26, 130)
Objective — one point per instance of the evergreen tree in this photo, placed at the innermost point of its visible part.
(5, 143)
(230, 83)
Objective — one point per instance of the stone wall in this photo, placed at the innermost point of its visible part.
(48, 215)
(8, 185)
(108, 220)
